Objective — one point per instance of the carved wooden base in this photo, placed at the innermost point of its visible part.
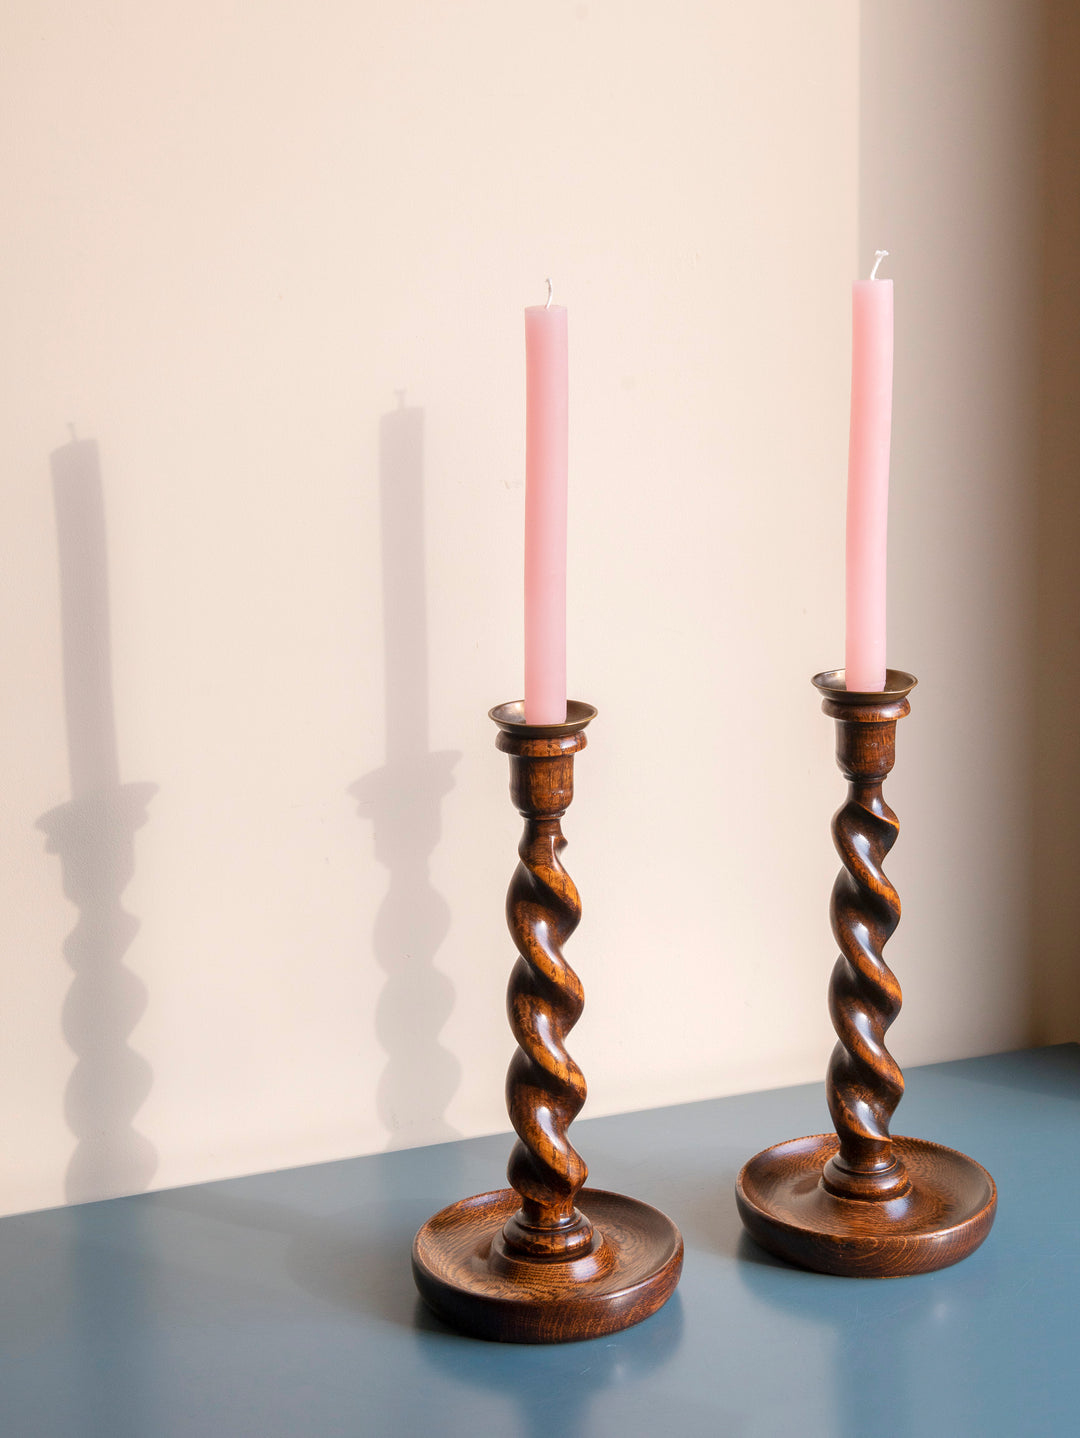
(944, 1215)
(464, 1272)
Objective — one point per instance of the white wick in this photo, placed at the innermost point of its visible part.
(879, 255)
(551, 293)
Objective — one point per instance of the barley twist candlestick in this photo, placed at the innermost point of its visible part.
(546, 1260)
(545, 1089)
(864, 1083)
(862, 1202)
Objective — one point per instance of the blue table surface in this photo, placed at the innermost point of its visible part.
(282, 1304)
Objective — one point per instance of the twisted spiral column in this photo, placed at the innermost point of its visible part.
(928, 1206)
(545, 1088)
(525, 1264)
(864, 1082)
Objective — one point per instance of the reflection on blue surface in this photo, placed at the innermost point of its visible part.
(550, 1389)
(883, 1342)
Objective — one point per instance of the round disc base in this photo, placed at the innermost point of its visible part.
(942, 1218)
(630, 1273)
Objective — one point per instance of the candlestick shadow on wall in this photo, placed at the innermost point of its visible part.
(403, 799)
(94, 835)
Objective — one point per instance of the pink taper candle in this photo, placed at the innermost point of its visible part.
(868, 479)
(546, 454)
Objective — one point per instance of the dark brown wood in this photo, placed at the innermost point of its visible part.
(862, 1202)
(468, 1277)
(545, 1089)
(943, 1215)
(546, 1260)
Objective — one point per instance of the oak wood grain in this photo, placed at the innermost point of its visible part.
(545, 1261)
(861, 1202)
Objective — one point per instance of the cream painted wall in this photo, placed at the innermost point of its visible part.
(276, 271)
(950, 136)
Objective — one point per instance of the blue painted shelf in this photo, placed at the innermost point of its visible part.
(281, 1306)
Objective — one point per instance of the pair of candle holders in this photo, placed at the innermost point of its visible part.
(548, 1260)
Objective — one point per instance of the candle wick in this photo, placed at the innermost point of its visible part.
(551, 294)
(879, 255)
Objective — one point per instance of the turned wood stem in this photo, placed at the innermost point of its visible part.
(527, 1264)
(545, 1089)
(859, 1202)
(864, 1082)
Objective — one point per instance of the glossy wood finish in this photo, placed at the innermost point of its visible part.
(863, 1203)
(864, 1083)
(544, 1261)
(545, 1089)
(466, 1273)
(943, 1214)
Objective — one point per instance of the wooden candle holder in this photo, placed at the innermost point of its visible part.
(545, 1261)
(860, 1202)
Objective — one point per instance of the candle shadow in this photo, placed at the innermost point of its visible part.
(403, 799)
(94, 835)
